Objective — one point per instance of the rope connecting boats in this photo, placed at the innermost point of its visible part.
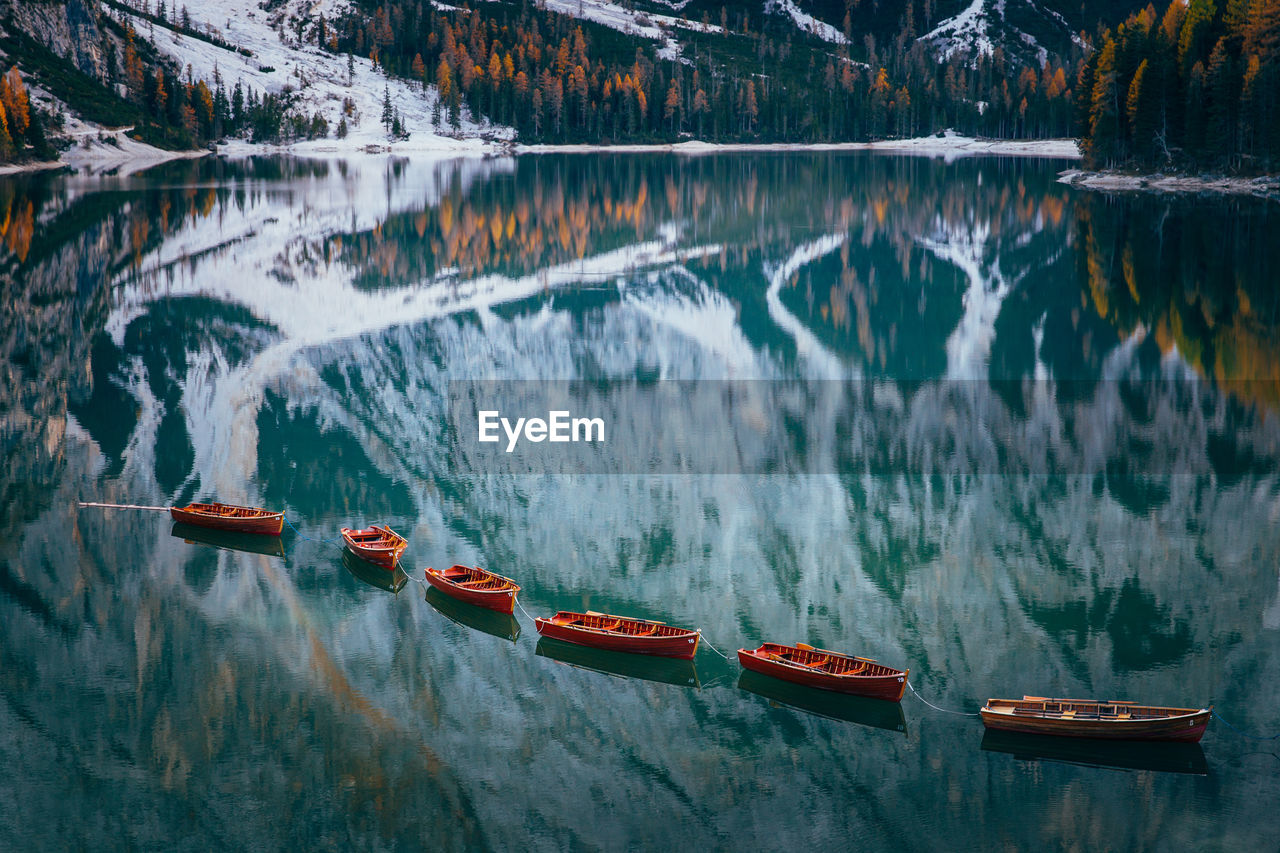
(799, 664)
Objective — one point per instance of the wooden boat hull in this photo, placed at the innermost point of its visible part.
(495, 593)
(873, 680)
(231, 518)
(666, 641)
(1097, 720)
(381, 546)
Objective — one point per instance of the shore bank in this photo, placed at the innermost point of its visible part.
(1268, 186)
(95, 150)
(98, 150)
(949, 145)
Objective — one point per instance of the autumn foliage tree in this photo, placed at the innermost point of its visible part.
(1198, 86)
(556, 78)
(21, 131)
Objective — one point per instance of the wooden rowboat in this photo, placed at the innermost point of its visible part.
(235, 519)
(620, 634)
(1113, 720)
(476, 586)
(380, 545)
(803, 664)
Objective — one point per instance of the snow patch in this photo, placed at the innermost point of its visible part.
(949, 146)
(806, 22)
(967, 31)
(318, 78)
(983, 25)
(1267, 187)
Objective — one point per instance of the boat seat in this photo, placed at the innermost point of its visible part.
(817, 663)
(652, 629)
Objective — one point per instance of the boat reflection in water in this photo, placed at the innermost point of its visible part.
(679, 672)
(501, 625)
(374, 576)
(877, 713)
(250, 543)
(1117, 755)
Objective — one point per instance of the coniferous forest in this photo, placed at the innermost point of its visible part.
(1194, 87)
(557, 79)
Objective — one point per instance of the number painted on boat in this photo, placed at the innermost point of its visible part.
(899, 679)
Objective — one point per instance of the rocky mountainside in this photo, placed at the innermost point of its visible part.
(69, 28)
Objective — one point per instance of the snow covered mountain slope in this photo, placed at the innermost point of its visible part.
(650, 26)
(320, 79)
(806, 22)
(1026, 31)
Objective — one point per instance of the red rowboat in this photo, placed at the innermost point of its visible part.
(381, 546)
(476, 586)
(803, 664)
(1114, 720)
(237, 519)
(620, 634)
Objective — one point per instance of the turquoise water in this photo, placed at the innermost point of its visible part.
(955, 416)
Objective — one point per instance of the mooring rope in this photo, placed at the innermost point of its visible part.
(943, 710)
(409, 576)
(1244, 733)
(525, 612)
(713, 648)
(309, 538)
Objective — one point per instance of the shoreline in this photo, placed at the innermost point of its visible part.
(95, 150)
(950, 145)
(94, 154)
(1266, 186)
(27, 168)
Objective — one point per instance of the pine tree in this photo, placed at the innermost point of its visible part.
(671, 106)
(237, 107)
(1220, 84)
(1139, 110)
(1194, 31)
(386, 108)
(700, 107)
(6, 141)
(1104, 115)
(1194, 118)
(13, 94)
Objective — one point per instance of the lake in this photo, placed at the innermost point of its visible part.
(1016, 437)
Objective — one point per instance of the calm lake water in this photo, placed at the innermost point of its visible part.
(954, 416)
